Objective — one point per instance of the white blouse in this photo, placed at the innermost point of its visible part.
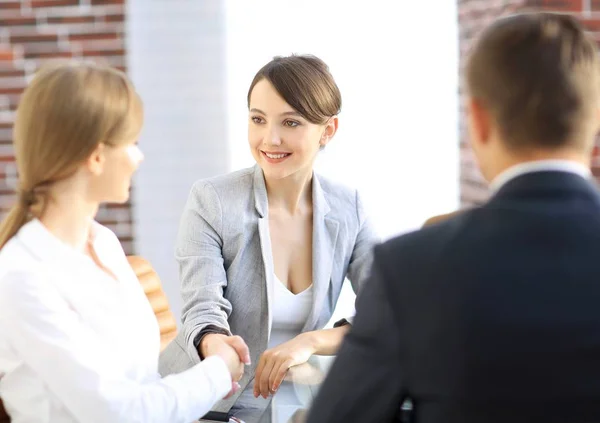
(76, 345)
(290, 312)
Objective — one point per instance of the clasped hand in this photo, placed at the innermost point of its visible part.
(233, 350)
(272, 366)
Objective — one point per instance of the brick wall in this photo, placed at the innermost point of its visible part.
(473, 15)
(33, 31)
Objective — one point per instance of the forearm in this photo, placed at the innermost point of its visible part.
(326, 341)
(196, 325)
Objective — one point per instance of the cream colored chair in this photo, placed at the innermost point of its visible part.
(156, 295)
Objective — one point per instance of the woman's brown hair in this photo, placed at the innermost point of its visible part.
(67, 110)
(305, 83)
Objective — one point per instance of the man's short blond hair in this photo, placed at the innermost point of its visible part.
(538, 75)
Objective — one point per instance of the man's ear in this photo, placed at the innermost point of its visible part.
(480, 121)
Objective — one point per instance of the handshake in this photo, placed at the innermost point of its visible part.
(233, 350)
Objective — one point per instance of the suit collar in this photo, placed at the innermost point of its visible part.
(548, 183)
(261, 201)
(515, 171)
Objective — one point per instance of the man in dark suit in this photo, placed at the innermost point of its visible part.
(494, 314)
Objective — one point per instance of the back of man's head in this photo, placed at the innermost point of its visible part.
(538, 76)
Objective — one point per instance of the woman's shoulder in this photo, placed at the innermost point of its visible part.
(228, 179)
(338, 192)
(19, 269)
(15, 257)
(344, 201)
(229, 185)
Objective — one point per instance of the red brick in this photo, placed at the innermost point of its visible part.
(48, 54)
(71, 19)
(11, 73)
(33, 38)
(104, 52)
(16, 21)
(592, 25)
(15, 96)
(94, 36)
(114, 18)
(595, 5)
(557, 5)
(10, 5)
(11, 90)
(6, 54)
(53, 3)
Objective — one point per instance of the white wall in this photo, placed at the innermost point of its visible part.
(396, 65)
(395, 62)
(176, 58)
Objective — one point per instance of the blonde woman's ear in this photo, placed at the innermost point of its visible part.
(95, 162)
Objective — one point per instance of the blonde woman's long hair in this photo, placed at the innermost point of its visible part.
(67, 110)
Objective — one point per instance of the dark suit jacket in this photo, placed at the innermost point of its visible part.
(491, 316)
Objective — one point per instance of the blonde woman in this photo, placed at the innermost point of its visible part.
(78, 339)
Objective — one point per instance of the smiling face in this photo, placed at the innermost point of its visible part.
(281, 140)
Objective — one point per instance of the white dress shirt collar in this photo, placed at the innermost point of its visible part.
(512, 172)
(45, 245)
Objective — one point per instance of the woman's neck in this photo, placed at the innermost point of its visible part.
(292, 194)
(69, 217)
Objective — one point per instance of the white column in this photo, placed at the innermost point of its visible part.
(176, 58)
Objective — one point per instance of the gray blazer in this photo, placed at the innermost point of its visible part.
(226, 264)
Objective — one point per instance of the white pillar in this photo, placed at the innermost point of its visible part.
(176, 58)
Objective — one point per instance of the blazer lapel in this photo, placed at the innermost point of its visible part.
(261, 204)
(325, 232)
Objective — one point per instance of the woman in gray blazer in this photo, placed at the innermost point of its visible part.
(263, 252)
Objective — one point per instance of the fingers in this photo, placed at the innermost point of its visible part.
(265, 389)
(258, 373)
(234, 388)
(279, 373)
(263, 372)
(241, 348)
(239, 374)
